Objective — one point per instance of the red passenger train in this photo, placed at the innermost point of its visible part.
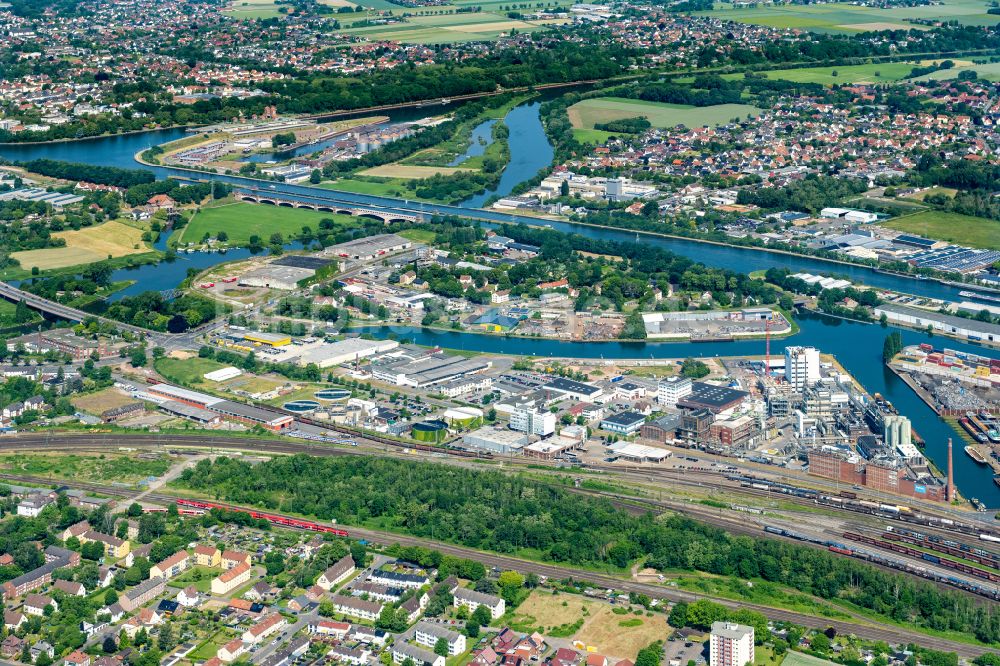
(283, 521)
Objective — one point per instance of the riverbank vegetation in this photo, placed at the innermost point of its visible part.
(510, 514)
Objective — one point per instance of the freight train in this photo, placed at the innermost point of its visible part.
(848, 501)
(282, 521)
(948, 546)
(890, 562)
(898, 547)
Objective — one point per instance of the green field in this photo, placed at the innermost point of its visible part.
(989, 71)
(800, 659)
(187, 372)
(252, 9)
(847, 18)
(436, 26)
(242, 220)
(584, 115)
(953, 227)
(880, 73)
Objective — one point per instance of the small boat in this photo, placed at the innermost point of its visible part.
(975, 455)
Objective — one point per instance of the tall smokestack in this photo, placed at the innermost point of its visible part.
(950, 491)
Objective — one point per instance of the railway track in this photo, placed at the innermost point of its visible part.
(862, 627)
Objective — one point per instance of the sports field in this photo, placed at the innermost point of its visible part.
(584, 115)
(951, 227)
(439, 28)
(243, 220)
(845, 17)
(410, 172)
(86, 246)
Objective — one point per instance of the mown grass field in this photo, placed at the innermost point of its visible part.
(849, 18)
(951, 227)
(800, 659)
(86, 246)
(188, 371)
(584, 115)
(243, 220)
(987, 70)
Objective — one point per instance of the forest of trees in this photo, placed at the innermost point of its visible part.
(508, 513)
(101, 175)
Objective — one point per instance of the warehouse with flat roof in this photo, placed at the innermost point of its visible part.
(970, 329)
(286, 278)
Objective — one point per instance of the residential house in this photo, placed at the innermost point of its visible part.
(141, 594)
(232, 651)
(170, 567)
(77, 658)
(35, 604)
(113, 546)
(71, 588)
(329, 628)
(471, 599)
(32, 507)
(337, 573)
(189, 597)
(427, 633)
(233, 558)
(402, 651)
(40, 648)
(232, 578)
(75, 530)
(11, 647)
(271, 624)
(12, 620)
(366, 610)
(207, 556)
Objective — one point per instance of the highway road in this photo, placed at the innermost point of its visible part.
(861, 626)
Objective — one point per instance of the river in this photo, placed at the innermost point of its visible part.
(857, 346)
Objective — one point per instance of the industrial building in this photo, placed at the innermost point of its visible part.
(624, 423)
(495, 440)
(533, 421)
(232, 411)
(716, 399)
(671, 389)
(275, 276)
(345, 351)
(575, 390)
(970, 329)
(371, 247)
(801, 366)
(637, 453)
(428, 371)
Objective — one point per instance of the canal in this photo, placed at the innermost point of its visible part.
(857, 346)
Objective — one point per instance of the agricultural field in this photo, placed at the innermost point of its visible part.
(86, 246)
(952, 227)
(243, 220)
(252, 9)
(875, 73)
(120, 469)
(584, 115)
(591, 622)
(95, 403)
(987, 70)
(440, 28)
(408, 172)
(848, 18)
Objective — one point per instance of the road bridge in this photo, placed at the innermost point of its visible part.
(44, 305)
